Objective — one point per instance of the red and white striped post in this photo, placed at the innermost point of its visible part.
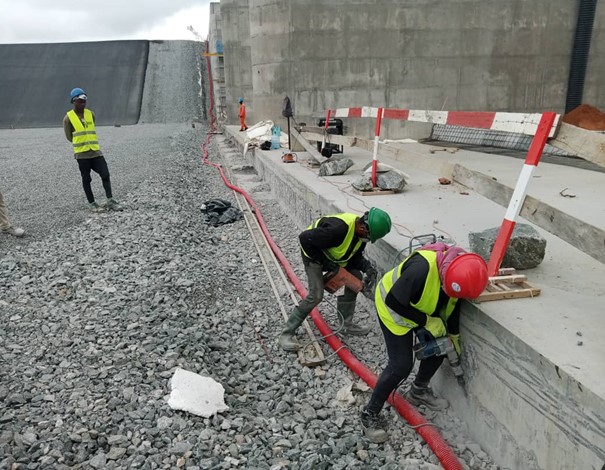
(518, 198)
(326, 124)
(376, 139)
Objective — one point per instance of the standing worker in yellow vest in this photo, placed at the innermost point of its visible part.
(332, 242)
(79, 127)
(421, 292)
(5, 225)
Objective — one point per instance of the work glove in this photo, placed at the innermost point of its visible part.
(369, 280)
(330, 266)
(435, 326)
(456, 342)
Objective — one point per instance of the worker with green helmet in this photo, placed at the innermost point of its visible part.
(333, 242)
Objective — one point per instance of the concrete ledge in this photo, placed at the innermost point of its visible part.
(535, 399)
(583, 235)
(522, 407)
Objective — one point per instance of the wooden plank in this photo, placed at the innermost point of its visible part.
(313, 129)
(506, 271)
(432, 164)
(508, 286)
(311, 149)
(589, 145)
(512, 294)
(511, 278)
(374, 192)
(334, 139)
(502, 291)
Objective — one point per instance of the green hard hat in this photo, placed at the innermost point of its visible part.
(379, 223)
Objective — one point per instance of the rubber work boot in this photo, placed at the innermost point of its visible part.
(287, 340)
(374, 427)
(14, 231)
(347, 309)
(424, 396)
(112, 205)
(94, 207)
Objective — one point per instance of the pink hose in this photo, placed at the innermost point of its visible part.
(432, 437)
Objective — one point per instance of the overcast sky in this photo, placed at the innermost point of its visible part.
(43, 21)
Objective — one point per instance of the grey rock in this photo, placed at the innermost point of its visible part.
(180, 448)
(164, 422)
(98, 461)
(335, 166)
(116, 453)
(526, 248)
(389, 180)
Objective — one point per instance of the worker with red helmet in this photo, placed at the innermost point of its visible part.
(421, 292)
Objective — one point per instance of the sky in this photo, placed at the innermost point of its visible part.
(44, 21)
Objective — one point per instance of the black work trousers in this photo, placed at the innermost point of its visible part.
(401, 361)
(99, 166)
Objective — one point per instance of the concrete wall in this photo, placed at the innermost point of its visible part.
(236, 43)
(217, 63)
(527, 411)
(594, 86)
(427, 54)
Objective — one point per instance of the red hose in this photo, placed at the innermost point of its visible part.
(432, 437)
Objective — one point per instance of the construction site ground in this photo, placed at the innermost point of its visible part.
(534, 364)
(97, 311)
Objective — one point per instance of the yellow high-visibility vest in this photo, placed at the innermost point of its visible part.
(342, 253)
(397, 324)
(84, 137)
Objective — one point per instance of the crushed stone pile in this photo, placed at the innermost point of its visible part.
(92, 336)
(98, 311)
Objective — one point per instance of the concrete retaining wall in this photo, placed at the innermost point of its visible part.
(445, 54)
(522, 408)
(238, 68)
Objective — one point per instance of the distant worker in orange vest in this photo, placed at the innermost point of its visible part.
(242, 115)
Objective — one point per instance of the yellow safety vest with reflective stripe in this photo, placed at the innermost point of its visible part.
(397, 324)
(84, 137)
(342, 253)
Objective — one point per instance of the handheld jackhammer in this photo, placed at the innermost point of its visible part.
(429, 346)
(334, 280)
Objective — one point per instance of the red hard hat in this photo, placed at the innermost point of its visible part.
(466, 277)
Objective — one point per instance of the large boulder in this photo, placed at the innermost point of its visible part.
(388, 180)
(526, 248)
(335, 166)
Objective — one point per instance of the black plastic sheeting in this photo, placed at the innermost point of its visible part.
(220, 212)
(36, 79)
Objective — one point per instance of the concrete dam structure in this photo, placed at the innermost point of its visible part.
(434, 55)
(534, 401)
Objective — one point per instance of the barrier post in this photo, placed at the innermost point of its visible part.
(376, 139)
(326, 124)
(516, 202)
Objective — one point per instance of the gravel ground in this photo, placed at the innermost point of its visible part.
(97, 311)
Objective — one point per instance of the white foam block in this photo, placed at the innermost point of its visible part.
(196, 394)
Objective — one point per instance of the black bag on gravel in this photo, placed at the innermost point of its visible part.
(266, 145)
(220, 212)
